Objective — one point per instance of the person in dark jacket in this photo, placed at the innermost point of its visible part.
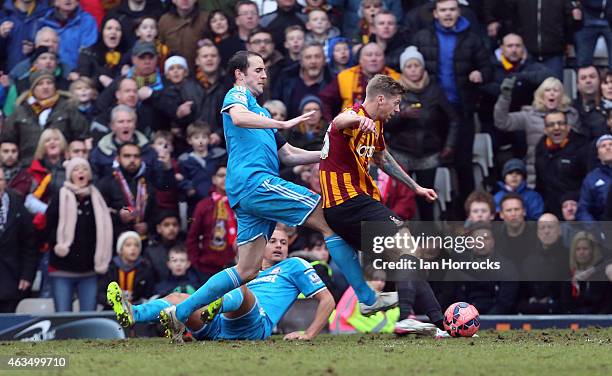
(546, 27)
(182, 96)
(181, 277)
(592, 113)
(288, 13)
(167, 225)
(392, 39)
(425, 132)
(596, 17)
(511, 60)
(130, 190)
(596, 184)
(132, 272)
(80, 234)
(198, 166)
(129, 11)
(492, 292)
(308, 77)
(544, 270)
(457, 60)
(18, 26)
(560, 161)
(18, 180)
(149, 85)
(310, 134)
(103, 61)
(18, 253)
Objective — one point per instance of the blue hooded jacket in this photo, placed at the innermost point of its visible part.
(532, 201)
(79, 32)
(447, 38)
(594, 193)
(24, 29)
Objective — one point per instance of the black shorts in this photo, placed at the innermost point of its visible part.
(345, 219)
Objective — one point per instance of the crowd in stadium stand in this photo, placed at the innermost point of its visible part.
(110, 119)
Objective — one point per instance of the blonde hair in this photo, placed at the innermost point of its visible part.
(44, 137)
(83, 81)
(538, 95)
(593, 245)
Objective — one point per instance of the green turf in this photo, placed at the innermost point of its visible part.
(550, 352)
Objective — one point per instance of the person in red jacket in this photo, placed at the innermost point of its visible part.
(212, 236)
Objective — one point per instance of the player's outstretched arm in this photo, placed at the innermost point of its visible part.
(243, 118)
(292, 156)
(324, 309)
(350, 119)
(385, 161)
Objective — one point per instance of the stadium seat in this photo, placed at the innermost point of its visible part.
(443, 186)
(482, 157)
(35, 306)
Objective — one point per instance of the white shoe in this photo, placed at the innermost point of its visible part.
(173, 327)
(442, 334)
(384, 301)
(411, 326)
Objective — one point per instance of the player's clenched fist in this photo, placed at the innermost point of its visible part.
(428, 194)
(366, 124)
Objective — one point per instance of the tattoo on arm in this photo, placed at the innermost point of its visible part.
(389, 165)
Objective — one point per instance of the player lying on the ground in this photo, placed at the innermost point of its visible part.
(260, 198)
(248, 312)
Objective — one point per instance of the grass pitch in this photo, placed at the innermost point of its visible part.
(549, 352)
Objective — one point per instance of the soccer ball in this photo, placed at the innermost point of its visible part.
(461, 320)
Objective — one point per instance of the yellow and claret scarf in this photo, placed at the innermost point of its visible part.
(110, 4)
(126, 280)
(40, 191)
(550, 146)
(163, 51)
(112, 58)
(202, 78)
(224, 232)
(508, 66)
(39, 106)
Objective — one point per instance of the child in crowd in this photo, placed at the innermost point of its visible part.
(84, 93)
(132, 271)
(319, 28)
(294, 41)
(167, 227)
(162, 143)
(514, 176)
(339, 55)
(182, 95)
(479, 207)
(212, 236)
(198, 166)
(277, 109)
(146, 30)
(181, 278)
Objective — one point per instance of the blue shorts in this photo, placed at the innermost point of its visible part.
(275, 200)
(253, 325)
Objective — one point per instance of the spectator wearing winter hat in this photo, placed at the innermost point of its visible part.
(309, 134)
(514, 175)
(129, 269)
(308, 77)
(42, 107)
(425, 131)
(42, 59)
(80, 233)
(182, 97)
(339, 55)
(594, 191)
(569, 207)
(560, 162)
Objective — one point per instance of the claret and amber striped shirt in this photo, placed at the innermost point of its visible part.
(344, 161)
